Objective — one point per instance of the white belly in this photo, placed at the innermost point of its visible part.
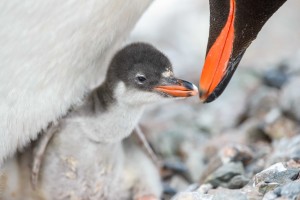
(51, 52)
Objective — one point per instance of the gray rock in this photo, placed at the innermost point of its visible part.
(224, 194)
(270, 196)
(238, 181)
(266, 187)
(276, 77)
(291, 190)
(192, 196)
(204, 188)
(251, 192)
(277, 173)
(280, 128)
(275, 176)
(265, 100)
(290, 98)
(229, 175)
(194, 158)
(179, 183)
(213, 194)
(235, 153)
(285, 149)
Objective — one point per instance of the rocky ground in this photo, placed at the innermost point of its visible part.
(256, 157)
(246, 145)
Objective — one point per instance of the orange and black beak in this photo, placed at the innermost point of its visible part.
(174, 87)
(234, 24)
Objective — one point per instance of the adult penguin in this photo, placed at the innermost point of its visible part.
(234, 24)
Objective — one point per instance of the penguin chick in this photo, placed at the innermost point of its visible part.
(87, 157)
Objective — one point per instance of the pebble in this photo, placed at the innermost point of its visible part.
(204, 188)
(280, 128)
(178, 183)
(274, 176)
(290, 98)
(276, 77)
(229, 175)
(215, 194)
(291, 190)
(270, 196)
(193, 196)
(285, 150)
(235, 153)
(265, 100)
(251, 192)
(223, 193)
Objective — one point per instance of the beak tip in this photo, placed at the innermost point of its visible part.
(208, 98)
(202, 95)
(195, 90)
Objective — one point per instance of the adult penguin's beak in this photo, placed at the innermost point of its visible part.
(234, 24)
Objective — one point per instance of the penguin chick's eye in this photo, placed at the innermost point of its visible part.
(140, 79)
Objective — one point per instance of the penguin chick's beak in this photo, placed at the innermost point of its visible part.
(177, 88)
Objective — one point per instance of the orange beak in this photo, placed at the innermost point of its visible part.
(218, 60)
(177, 88)
(233, 26)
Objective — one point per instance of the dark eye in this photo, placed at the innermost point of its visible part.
(141, 78)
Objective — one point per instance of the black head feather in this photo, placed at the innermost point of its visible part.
(138, 65)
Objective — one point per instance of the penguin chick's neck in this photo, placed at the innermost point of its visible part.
(107, 116)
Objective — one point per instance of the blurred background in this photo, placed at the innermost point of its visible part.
(257, 112)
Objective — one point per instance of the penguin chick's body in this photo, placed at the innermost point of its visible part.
(87, 157)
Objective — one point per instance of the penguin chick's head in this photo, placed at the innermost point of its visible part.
(140, 71)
